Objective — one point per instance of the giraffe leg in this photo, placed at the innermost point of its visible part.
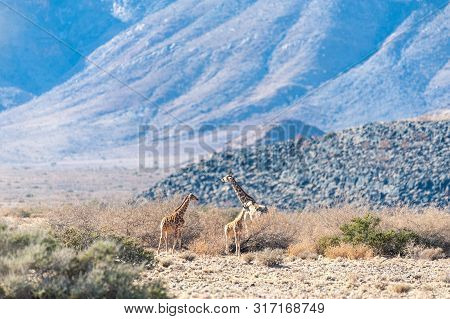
(160, 239)
(179, 238)
(166, 235)
(175, 239)
(239, 245)
(227, 249)
(236, 243)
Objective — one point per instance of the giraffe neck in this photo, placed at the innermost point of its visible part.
(183, 207)
(240, 217)
(243, 197)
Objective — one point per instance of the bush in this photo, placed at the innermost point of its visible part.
(273, 231)
(365, 231)
(77, 238)
(400, 288)
(303, 250)
(270, 257)
(201, 246)
(203, 232)
(33, 264)
(24, 213)
(422, 252)
(130, 249)
(248, 258)
(349, 251)
(166, 262)
(326, 242)
(187, 256)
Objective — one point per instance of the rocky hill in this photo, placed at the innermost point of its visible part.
(380, 164)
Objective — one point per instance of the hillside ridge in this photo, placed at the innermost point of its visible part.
(380, 164)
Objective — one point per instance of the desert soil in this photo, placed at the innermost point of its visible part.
(47, 185)
(231, 277)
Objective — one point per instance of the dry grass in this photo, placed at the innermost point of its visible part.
(446, 278)
(203, 232)
(187, 256)
(166, 262)
(401, 288)
(270, 257)
(349, 251)
(422, 252)
(248, 258)
(303, 250)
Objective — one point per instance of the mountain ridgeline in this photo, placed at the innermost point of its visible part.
(381, 164)
(332, 64)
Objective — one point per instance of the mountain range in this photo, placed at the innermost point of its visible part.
(332, 64)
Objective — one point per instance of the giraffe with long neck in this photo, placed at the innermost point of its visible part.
(174, 222)
(234, 228)
(249, 204)
(243, 197)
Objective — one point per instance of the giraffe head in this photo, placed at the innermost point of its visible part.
(192, 197)
(228, 178)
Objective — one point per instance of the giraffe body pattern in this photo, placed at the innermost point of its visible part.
(174, 223)
(250, 209)
(234, 229)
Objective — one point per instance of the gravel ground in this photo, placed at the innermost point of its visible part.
(230, 277)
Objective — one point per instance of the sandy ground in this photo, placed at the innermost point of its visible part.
(46, 185)
(231, 277)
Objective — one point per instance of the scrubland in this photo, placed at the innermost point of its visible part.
(322, 253)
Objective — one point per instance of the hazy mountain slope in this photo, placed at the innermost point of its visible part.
(10, 96)
(405, 78)
(234, 62)
(32, 60)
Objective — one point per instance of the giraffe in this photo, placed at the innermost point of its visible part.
(250, 207)
(174, 222)
(235, 228)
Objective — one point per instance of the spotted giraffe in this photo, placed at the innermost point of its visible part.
(234, 228)
(174, 222)
(250, 207)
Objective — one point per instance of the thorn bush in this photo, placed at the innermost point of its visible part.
(35, 264)
(366, 231)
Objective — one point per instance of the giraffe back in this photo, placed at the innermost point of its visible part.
(172, 221)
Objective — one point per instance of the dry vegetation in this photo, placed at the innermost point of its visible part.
(349, 251)
(298, 233)
(283, 256)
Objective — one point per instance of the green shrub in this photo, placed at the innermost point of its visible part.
(33, 264)
(76, 238)
(361, 229)
(24, 213)
(130, 249)
(365, 231)
(327, 242)
(133, 252)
